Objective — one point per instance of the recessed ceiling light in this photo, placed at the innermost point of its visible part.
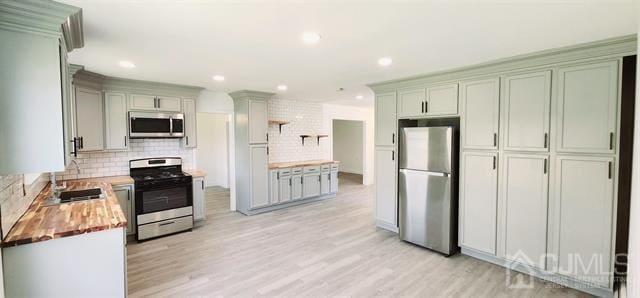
(282, 87)
(385, 61)
(218, 78)
(311, 37)
(126, 64)
(359, 96)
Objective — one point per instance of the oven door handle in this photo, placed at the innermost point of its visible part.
(165, 199)
(170, 125)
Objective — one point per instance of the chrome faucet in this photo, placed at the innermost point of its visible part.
(75, 162)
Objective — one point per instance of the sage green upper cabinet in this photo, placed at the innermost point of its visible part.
(524, 208)
(527, 108)
(258, 121)
(189, 109)
(582, 222)
(89, 119)
(155, 103)
(478, 201)
(587, 108)
(411, 103)
(480, 114)
(386, 123)
(142, 102)
(169, 104)
(442, 100)
(115, 110)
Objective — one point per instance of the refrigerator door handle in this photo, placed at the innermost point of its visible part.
(439, 174)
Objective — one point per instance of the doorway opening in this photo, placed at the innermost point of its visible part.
(212, 152)
(349, 149)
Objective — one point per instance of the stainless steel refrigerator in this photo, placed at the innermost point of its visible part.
(427, 187)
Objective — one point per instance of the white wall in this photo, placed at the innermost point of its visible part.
(633, 269)
(343, 112)
(348, 140)
(221, 103)
(212, 152)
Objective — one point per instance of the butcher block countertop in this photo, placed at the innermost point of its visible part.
(41, 223)
(304, 163)
(196, 173)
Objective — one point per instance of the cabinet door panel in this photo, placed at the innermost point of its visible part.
(325, 183)
(587, 108)
(198, 199)
(285, 189)
(480, 114)
(258, 122)
(583, 220)
(89, 113)
(142, 102)
(296, 187)
(334, 181)
(527, 108)
(169, 104)
(386, 195)
(310, 186)
(524, 209)
(274, 185)
(386, 122)
(411, 102)
(442, 100)
(115, 120)
(259, 176)
(478, 201)
(190, 136)
(124, 199)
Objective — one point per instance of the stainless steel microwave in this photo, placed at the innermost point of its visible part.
(156, 125)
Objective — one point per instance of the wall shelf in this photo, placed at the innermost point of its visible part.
(280, 123)
(318, 137)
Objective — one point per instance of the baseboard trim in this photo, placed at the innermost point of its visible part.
(387, 226)
(286, 205)
(541, 274)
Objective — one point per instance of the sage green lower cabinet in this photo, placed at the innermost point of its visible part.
(523, 205)
(285, 188)
(478, 201)
(296, 187)
(333, 180)
(274, 184)
(386, 175)
(310, 185)
(582, 218)
(199, 203)
(325, 182)
(125, 195)
(259, 176)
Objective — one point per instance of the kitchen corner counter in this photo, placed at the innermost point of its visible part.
(42, 223)
(304, 163)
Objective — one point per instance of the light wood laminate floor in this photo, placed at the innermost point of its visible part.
(320, 249)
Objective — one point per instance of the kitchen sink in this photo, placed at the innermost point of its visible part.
(81, 195)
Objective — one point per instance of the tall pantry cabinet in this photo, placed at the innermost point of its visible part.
(539, 159)
(252, 151)
(386, 166)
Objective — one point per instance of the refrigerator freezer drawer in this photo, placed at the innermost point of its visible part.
(425, 209)
(426, 148)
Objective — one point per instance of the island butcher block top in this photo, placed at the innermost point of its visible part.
(304, 163)
(41, 223)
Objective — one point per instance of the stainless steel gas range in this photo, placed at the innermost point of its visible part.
(164, 197)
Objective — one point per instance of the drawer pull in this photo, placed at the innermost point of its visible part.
(167, 223)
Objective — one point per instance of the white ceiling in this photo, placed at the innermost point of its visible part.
(257, 44)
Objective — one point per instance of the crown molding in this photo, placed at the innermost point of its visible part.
(608, 48)
(251, 94)
(35, 16)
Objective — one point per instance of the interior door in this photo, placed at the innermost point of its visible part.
(385, 186)
(386, 122)
(480, 114)
(587, 108)
(115, 120)
(442, 100)
(478, 201)
(583, 201)
(258, 122)
(259, 176)
(524, 208)
(411, 103)
(89, 119)
(527, 109)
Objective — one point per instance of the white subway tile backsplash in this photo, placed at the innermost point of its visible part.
(304, 118)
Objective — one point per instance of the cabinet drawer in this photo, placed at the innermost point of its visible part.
(314, 169)
(325, 168)
(335, 167)
(285, 172)
(296, 171)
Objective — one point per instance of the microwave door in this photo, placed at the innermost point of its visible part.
(150, 127)
(177, 127)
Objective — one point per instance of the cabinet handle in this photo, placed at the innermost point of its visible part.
(495, 139)
(278, 175)
(393, 138)
(494, 162)
(318, 178)
(610, 170)
(81, 142)
(422, 109)
(545, 166)
(267, 137)
(267, 150)
(393, 155)
(125, 141)
(75, 147)
(610, 141)
(187, 140)
(426, 107)
(289, 182)
(546, 135)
